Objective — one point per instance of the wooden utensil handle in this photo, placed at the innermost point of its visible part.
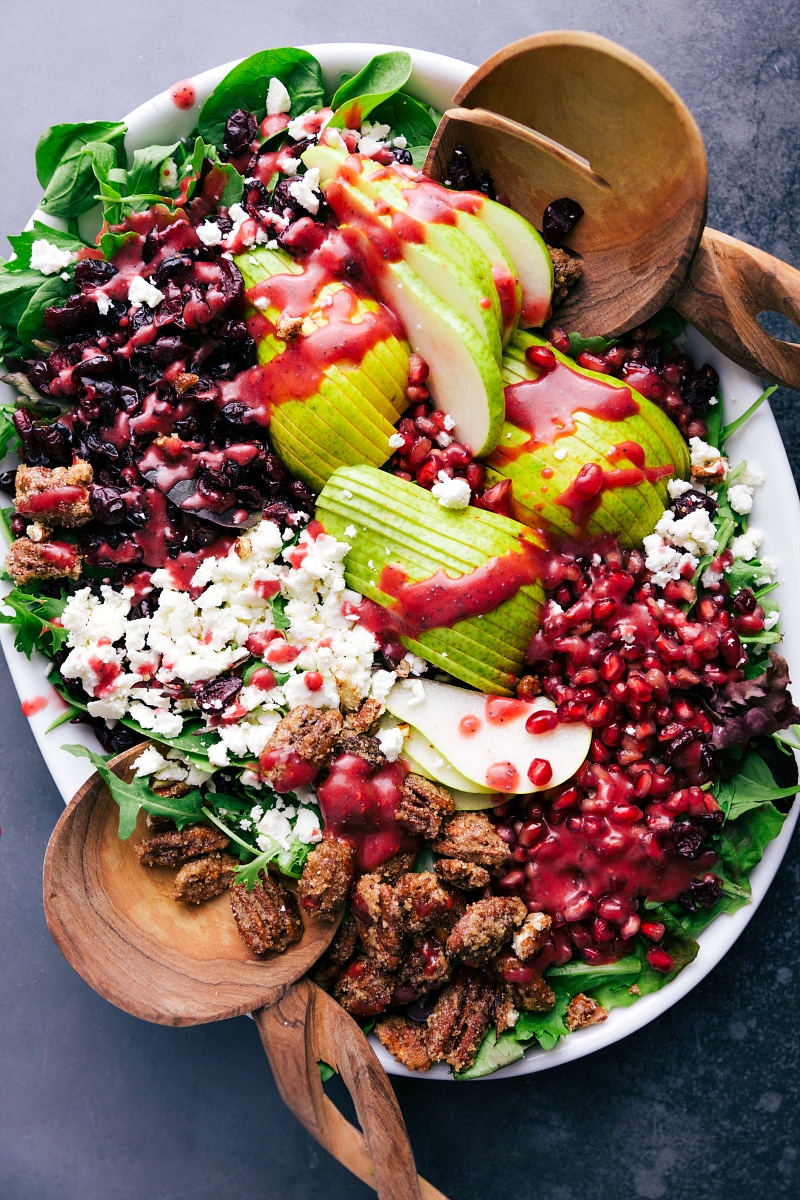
(307, 1026)
(729, 284)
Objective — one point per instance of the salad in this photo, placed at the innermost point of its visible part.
(458, 625)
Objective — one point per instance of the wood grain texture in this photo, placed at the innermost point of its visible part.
(729, 284)
(307, 1026)
(116, 924)
(574, 114)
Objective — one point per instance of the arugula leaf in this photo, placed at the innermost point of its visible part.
(382, 76)
(726, 432)
(405, 115)
(130, 797)
(66, 715)
(65, 172)
(595, 345)
(494, 1053)
(33, 616)
(278, 606)
(246, 87)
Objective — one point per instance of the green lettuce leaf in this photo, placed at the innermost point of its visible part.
(494, 1053)
(356, 98)
(245, 86)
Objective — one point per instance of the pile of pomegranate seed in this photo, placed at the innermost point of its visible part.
(627, 658)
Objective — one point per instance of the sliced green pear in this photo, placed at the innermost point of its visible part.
(524, 244)
(485, 737)
(433, 765)
(460, 588)
(637, 450)
(351, 415)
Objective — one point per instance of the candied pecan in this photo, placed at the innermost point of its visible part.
(327, 877)
(485, 927)
(55, 495)
(465, 875)
(363, 746)
(396, 866)
(583, 1011)
(203, 878)
(364, 989)
(268, 917)
(458, 1023)
(531, 935)
(471, 836)
(567, 270)
(423, 967)
(403, 1038)
(288, 328)
(344, 943)
(27, 561)
(309, 732)
(710, 472)
(534, 994)
(529, 686)
(506, 1013)
(422, 899)
(158, 824)
(363, 720)
(379, 918)
(423, 805)
(169, 787)
(175, 847)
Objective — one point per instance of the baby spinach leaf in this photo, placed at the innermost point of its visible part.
(50, 292)
(65, 172)
(245, 86)
(405, 115)
(231, 193)
(494, 1053)
(279, 617)
(8, 434)
(382, 76)
(32, 617)
(742, 842)
(144, 172)
(595, 345)
(751, 787)
(130, 797)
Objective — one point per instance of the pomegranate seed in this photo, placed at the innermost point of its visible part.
(540, 772)
(519, 854)
(730, 648)
(506, 833)
(541, 357)
(659, 960)
(580, 907)
(603, 609)
(612, 667)
(531, 832)
(569, 799)
(654, 930)
(428, 472)
(644, 782)
(313, 680)
(602, 931)
(417, 393)
(426, 427)
(541, 722)
(612, 734)
(611, 908)
(639, 688)
(631, 926)
(560, 339)
(589, 480)
(457, 455)
(512, 879)
(751, 622)
(592, 362)
(476, 476)
(497, 497)
(417, 369)
(419, 451)
(599, 753)
(571, 711)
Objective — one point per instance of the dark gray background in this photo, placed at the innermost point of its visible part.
(97, 1106)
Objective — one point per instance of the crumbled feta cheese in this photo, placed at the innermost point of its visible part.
(274, 826)
(391, 743)
(416, 665)
(306, 827)
(694, 533)
(451, 493)
(746, 546)
(707, 461)
(142, 292)
(677, 487)
(168, 175)
(401, 141)
(48, 259)
(382, 684)
(278, 98)
(771, 619)
(560, 454)
(209, 233)
(306, 190)
(396, 441)
(149, 761)
(350, 531)
(750, 476)
(449, 422)
(769, 567)
(103, 302)
(416, 690)
(665, 560)
(740, 498)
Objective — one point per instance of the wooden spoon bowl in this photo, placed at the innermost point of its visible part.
(173, 964)
(573, 114)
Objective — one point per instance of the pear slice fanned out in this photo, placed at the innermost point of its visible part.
(484, 737)
(351, 414)
(459, 588)
(636, 448)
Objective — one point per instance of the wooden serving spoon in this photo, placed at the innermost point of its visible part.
(176, 964)
(573, 114)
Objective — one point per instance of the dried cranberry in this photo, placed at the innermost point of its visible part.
(301, 494)
(688, 839)
(701, 388)
(92, 273)
(79, 315)
(171, 268)
(215, 695)
(560, 218)
(485, 184)
(95, 366)
(240, 131)
(7, 482)
(107, 505)
(460, 174)
(692, 501)
(702, 893)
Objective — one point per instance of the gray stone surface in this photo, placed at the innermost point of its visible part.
(97, 1106)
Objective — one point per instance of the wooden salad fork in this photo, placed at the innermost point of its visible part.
(176, 964)
(573, 114)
